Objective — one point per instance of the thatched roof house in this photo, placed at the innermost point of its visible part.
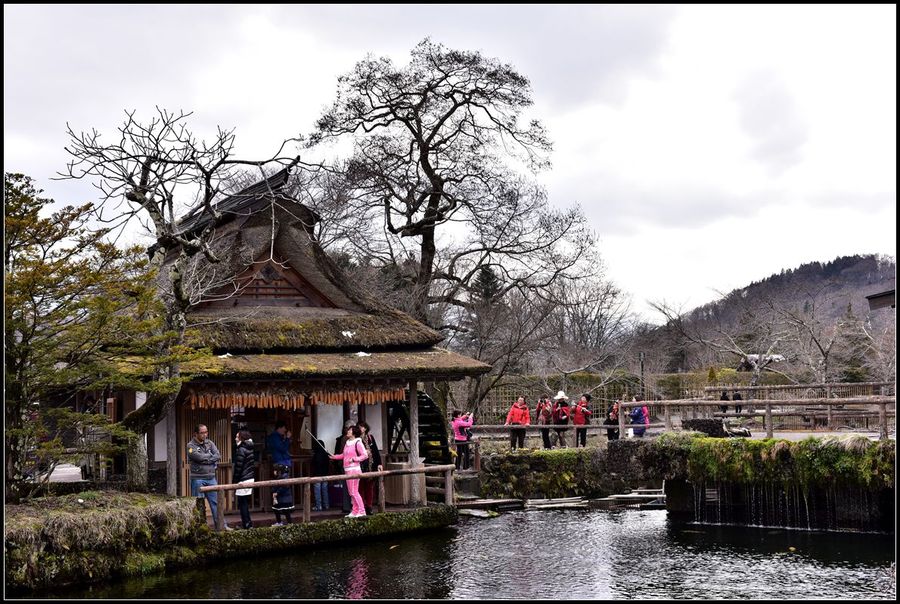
(292, 338)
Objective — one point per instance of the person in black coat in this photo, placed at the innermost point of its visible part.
(244, 471)
(724, 397)
(373, 464)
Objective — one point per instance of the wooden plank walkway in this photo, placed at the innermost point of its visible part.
(492, 504)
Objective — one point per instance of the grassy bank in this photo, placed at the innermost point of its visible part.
(97, 536)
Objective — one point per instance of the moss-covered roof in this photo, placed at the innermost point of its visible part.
(279, 329)
(433, 363)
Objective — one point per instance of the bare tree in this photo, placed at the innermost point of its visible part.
(152, 172)
(435, 145)
(754, 345)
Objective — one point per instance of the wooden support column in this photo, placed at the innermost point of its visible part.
(882, 419)
(416, 497)
(622, 413)
(770, 428)
(220, 509)
(448, 487)
(307, 501)
(381, 503)
(668, 418)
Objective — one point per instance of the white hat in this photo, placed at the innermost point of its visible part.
(560, 395)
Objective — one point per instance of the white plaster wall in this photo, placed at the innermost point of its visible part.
(139, 399)
(373, 417)
(159, 437)
(329, 421)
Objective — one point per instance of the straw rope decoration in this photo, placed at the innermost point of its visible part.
(290, 399)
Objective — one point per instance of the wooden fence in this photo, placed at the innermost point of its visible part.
(306, 492)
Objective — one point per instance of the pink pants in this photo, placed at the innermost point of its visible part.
(358, 508)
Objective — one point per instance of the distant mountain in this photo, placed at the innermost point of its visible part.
(825, 291)
(830, 286)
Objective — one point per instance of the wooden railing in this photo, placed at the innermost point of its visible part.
(767, 412)
(767, 409)
(307, 482)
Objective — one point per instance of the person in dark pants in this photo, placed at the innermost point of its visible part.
(203, 457)
(321, 466)
(244, 472)
(518, 415)
(279, 447)
(581, 416)
(737, 397)
(544, 416)
(724, 397)
(612, 419)
(561, 415)
(461, 423)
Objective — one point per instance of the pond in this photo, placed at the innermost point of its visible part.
(559, 554)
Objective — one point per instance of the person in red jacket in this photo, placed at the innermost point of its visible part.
(561, 415)
(518, 415)
(581, 416)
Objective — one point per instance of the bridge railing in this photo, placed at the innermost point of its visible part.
(770, 408)
(307, 482)
(829, 409)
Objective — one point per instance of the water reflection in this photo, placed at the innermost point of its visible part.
(556, 554)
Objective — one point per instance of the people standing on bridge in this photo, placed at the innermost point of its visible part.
(353, 454)
(203, 457)
(560, 415)
(737, 397)
(612, 419)
(461, 423)
(244, 472)
(321, 466)
(640, 415)
(544, 416)
(581, 416)
(371, 464)
(519, 415)
(724, 397)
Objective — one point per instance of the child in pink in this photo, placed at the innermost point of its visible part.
(354, 452)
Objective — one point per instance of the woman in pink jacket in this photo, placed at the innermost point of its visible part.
(354, 452)
(461, 421)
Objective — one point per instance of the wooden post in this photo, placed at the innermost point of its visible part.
(220, 510)
(476, 457)
(448, 487)
(668, 418)
(621, 421)
(415, 495)
(882, 418)
(307, 491)
(381, 503)
(769, 427)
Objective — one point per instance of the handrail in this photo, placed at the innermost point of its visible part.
(794, 386)
(306, 481)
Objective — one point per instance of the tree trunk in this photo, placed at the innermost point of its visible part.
(136, 464)
(423, 281)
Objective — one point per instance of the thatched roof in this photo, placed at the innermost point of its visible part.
(433, 363)
(323, 312)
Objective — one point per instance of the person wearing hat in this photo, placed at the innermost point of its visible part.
(519, 415)
(560, 415)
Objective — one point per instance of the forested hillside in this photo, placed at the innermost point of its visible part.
(813, 323)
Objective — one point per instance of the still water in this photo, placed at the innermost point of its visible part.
(553, 554)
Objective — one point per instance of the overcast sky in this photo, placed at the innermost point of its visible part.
(709, 146)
